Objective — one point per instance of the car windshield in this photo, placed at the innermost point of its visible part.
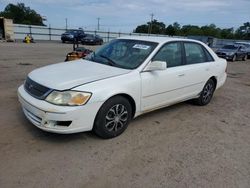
(230, 47)
(123, 53)
(89, 37)
(71, 31)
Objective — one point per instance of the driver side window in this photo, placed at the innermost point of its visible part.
(170, 53)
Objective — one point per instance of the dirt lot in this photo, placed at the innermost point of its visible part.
(179, 146)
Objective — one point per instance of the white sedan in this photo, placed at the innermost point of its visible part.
(123, 79)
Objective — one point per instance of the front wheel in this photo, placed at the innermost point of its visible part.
(234, 58)
(206, 94)
(113, 117)
(244, 58)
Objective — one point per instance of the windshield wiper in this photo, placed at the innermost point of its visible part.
(110, 61)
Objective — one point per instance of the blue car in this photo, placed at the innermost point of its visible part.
(71, 35)
(232, 52)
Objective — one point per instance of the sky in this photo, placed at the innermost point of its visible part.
(125, 15)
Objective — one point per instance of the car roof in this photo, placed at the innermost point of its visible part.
(158, 39)
(242, 43)
(70, 30)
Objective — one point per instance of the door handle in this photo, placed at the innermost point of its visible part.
(207, 69)
(180, 75)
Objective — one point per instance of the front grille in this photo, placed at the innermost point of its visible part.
(36, 90)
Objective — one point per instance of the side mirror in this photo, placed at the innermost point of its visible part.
(156, 65)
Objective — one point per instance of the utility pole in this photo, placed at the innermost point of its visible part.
(151, 24)
(98, 23)
(66, 21)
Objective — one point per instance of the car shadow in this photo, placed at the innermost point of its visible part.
(52, 137)
(65, 138)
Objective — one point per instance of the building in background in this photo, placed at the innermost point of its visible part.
(6, 29)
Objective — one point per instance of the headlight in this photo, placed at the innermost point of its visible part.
(68, 98)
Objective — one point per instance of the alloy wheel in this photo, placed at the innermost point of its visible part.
(208, 92)
(116, 118)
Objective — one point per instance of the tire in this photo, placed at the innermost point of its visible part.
(113, 117)
(234, 58)
(63, 41)
(206, 94)
(244, 58)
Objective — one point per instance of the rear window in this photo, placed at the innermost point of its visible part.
(194, 53)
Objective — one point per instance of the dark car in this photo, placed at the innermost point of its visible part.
(247, 46)
(92, 40)
(232, 52)
(71, 35)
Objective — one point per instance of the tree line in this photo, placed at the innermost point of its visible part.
(22, 14)
(175, 29)
(25, 15)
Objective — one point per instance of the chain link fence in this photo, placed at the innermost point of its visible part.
(54, 34)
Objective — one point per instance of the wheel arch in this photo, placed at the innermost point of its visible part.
(214, 80)
(130, 100)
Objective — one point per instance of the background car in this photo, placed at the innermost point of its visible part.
(232, 52)
(247, 46)
(70, 35)
(92, 40)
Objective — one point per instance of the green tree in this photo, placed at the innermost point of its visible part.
(210, 30)
(170, 30)
(227, 33)
(21, 14)
(153, 27)
(243, 31)
(142, 28)
(191, 30)
(157, 27)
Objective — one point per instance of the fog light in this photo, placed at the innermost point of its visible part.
(63, 123)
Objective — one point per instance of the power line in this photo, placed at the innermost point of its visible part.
(98, 23)
(151, 24)
(66, 22)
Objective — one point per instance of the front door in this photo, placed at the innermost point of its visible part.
(162, 87)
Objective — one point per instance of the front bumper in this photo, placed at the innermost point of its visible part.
(66, 38)
(88, 42)
(227, 57)
(48, 117)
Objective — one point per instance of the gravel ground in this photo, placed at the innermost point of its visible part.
(179, 146)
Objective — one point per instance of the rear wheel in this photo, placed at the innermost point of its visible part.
(113, 117)
(206, 94)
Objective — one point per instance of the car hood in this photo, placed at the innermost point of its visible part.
(226, 50)
(68, 75)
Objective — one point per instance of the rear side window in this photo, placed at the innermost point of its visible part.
(194, 53)
(171, 53)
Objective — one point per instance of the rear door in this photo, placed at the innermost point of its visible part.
(198, 67)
